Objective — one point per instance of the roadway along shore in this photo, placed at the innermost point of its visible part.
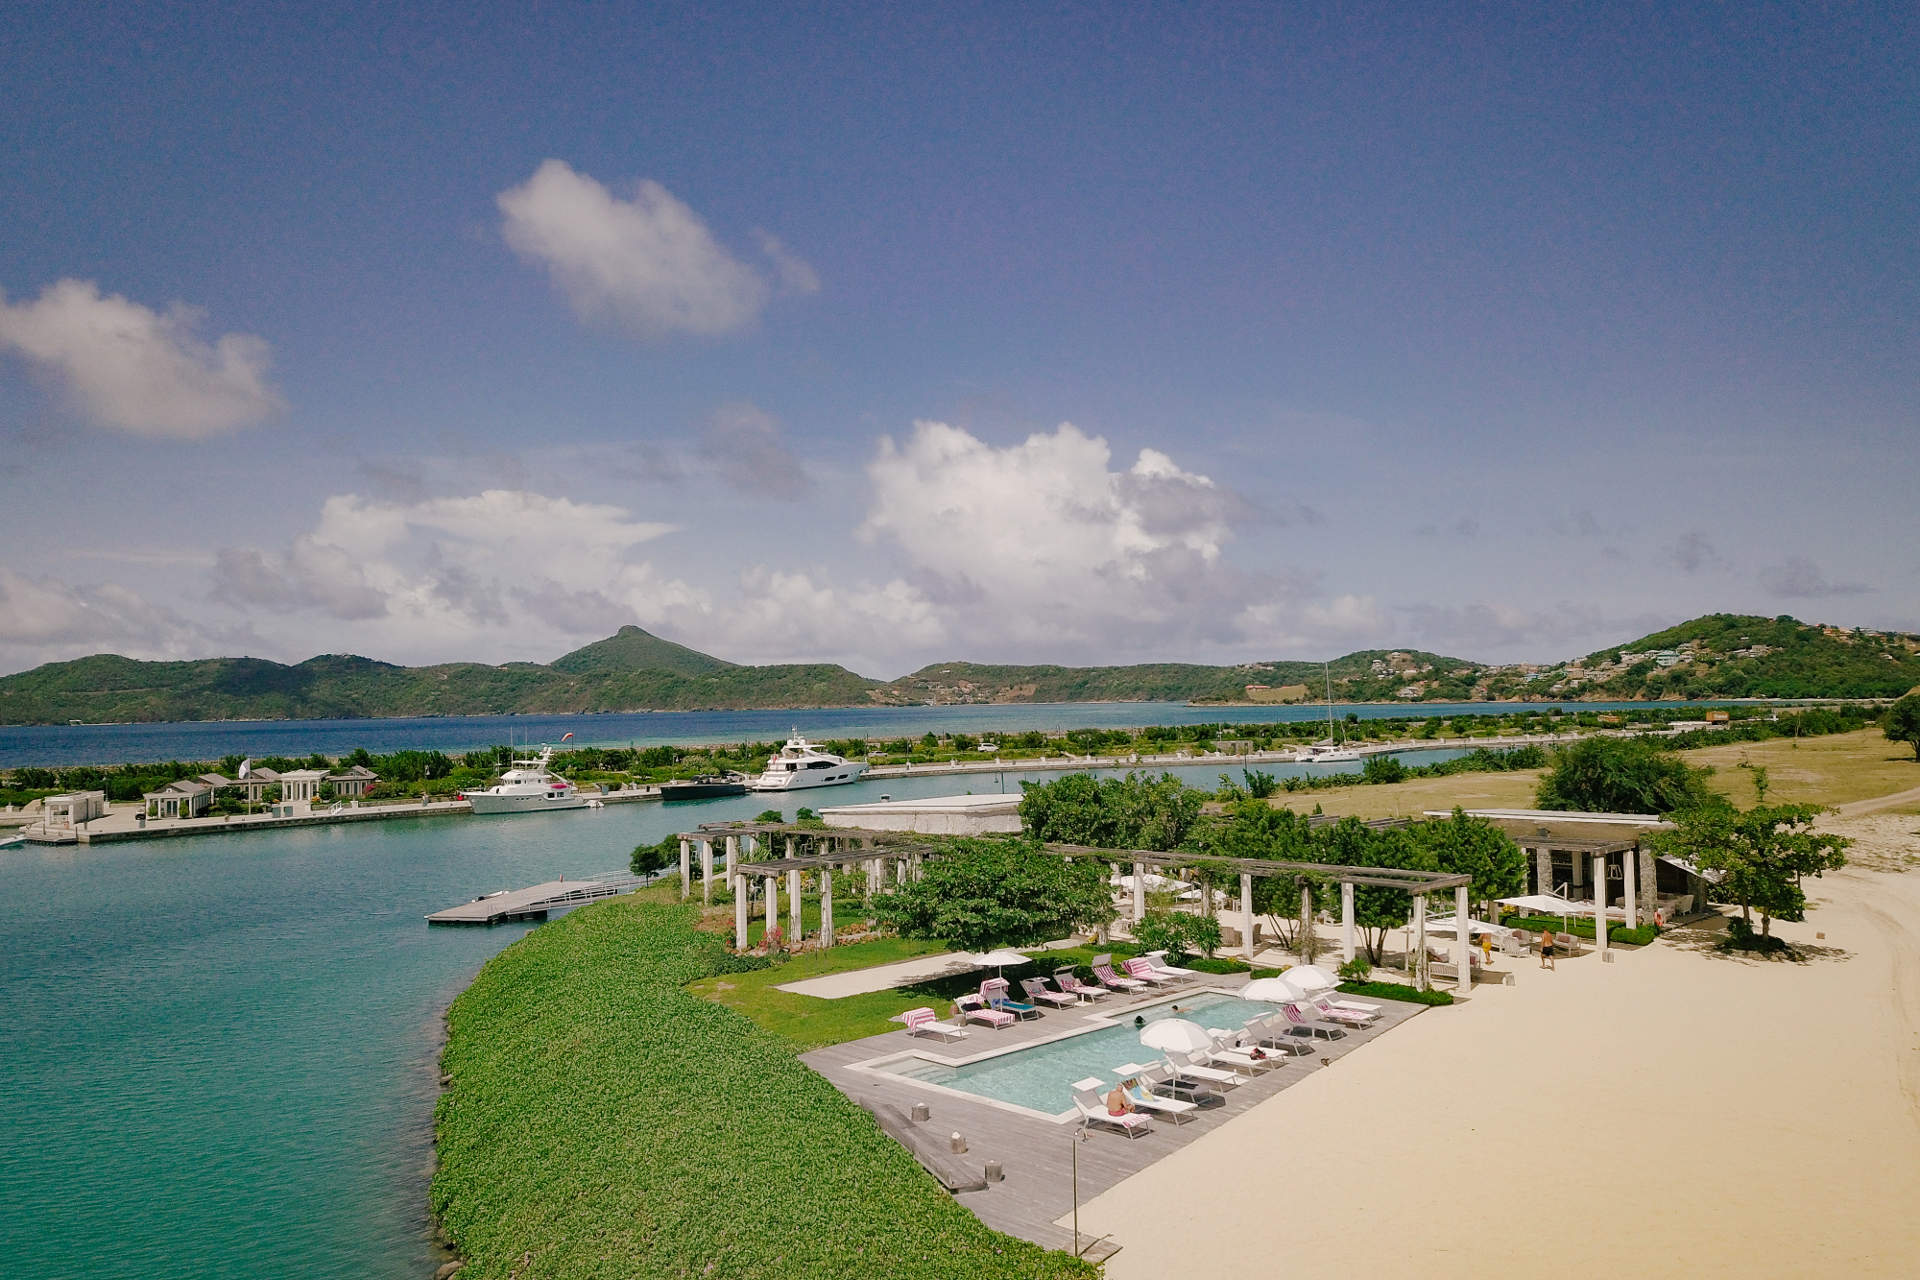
(1185, 759)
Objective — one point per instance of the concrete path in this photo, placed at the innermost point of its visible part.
(860, 982)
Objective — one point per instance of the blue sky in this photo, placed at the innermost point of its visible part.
(1012, 333)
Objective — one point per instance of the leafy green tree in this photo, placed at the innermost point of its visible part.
(1763, 854)
(1179, 933)
(1138, 811)
(1622, 775)
(1460, 845)
(991, 893)
(1376, 910)
(1903, 722)
(648, 858)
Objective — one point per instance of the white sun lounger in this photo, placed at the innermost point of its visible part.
(1093, 1110)
(1070, 983)
(1343, 1014)
(1173, 1108)
(1226, 1052)
(1158, 959)
(1037, 989)
(1113, 981)
(1142, 971)
(1191, 1066)
(925, 1022)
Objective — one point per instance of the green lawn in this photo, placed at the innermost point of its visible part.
(601, 1121)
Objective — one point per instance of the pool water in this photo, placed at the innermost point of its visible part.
(1041, 1076)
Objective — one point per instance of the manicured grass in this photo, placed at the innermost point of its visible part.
(808, 1022)
(1619, 934)
(603, 1121)
(1411, 799)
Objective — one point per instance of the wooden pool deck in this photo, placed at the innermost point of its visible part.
(1037, 1155)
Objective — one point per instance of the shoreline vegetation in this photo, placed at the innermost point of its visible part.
(1493, 746)
(1718, 656)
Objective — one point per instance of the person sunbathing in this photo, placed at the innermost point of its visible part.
(1118, 1103)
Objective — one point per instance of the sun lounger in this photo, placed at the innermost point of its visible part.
(925, 1022)
(1093, 1110)
(1140, 971)
(1359, 1005)
(1070, 983)
(1174, 1109)
(1114, 982)
(994, 992)
(1190, 1066)
(1275, 1032)
(1037, 989)
(1226, 1052)
(1306, 1027)
(1158, 959)
(1344, 1016)
(972, 1008)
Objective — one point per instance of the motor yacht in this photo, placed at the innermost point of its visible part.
(800, 764)
(528, 787)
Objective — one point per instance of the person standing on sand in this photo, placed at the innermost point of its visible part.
(1546, 948)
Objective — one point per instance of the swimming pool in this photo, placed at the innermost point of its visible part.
(1040, 1077)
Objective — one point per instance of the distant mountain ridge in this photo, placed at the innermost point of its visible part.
(1715, 656)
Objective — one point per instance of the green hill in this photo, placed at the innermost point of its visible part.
(1717, 656)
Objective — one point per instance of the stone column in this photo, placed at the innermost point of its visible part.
(1649, 884)
(739, 913)
(772, 887)
(1462, 940)
(1417, 960)
(1246, 914)
(1629, 889)
(1306, 919)
(900, 870)
(1543, 869)
(686, 870)
(1579, 871)
(733, 853)
(1139, 892)
(793, 903)
(1600, 902)
(1346, 920)
(706, 872)
(826, 906)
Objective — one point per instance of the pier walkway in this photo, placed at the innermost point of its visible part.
(536, 902)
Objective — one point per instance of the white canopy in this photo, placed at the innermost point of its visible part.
(1273, 990)
(1000, 959)
(1546, 904)
(1311, 978)
(1175, 1034)
(1444, 924)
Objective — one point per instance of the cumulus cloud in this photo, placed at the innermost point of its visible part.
(1798, 578)
(745, 447)
(129, 367)
(647, 264)
(44, 620)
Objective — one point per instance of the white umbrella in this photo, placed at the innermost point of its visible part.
(1273, 990)
(1000, 959)
(1311, 978)
(1176, 1035)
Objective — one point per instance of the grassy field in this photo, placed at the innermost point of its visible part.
(600, 1121)
(808, 1022)
(1830, 770)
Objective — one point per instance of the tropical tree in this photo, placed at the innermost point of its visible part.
(1461, 845)
(991, 893)
(1138, 811)
(1622, 775)
(1762, 855)
(1903, 722)
(1376, 910)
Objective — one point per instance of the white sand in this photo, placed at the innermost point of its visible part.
(1673, 1113)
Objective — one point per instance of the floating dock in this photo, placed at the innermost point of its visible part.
(536, 902)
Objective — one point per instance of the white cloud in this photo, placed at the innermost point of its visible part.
(796, 273)
(648, 264)
(43, 620)
(140, 370)
(1798, 578)
(746, 448)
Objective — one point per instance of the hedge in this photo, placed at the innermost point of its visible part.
(1396, 991)
(600, 1120)
(1616, 933)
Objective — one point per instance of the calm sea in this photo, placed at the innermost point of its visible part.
(218, 1055)
(118, 743)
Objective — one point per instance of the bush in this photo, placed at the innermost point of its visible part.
(1177, 932)
(1396, 991)
(1358, 969)
(697, 1144)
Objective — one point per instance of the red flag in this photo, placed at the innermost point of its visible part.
(565, 736)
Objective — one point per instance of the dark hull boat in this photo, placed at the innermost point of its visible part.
(710, 786)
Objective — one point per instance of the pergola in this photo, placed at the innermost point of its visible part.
(874, 850)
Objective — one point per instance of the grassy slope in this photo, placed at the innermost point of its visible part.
(603, 1121)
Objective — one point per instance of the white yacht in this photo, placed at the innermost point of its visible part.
(801, 764)
(528, 787)
(1335, 749)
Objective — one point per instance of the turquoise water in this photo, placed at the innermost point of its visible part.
(1041, 1077)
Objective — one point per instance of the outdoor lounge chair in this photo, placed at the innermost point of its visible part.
(1158, 959)
(1358, 1006)
(1070, 983)
(1306, 1027)
(925, 1022)
(1174, 1109)
(1113, 981)
(972, 1008)
(1275, 1032)
(1093, 1110)
(1140, 971)
(1037, 989)
(1227, 1053)
(994, 992)
(1342, 1014)
(1192, 1066)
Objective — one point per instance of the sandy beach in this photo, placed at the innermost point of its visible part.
(1678, 1112)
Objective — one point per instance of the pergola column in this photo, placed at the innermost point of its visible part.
(1649, 883)
(826, 906)
(1346, 920)
(1139, 892)
(1246, 913)
(1543, 869)
(1600, 902)
(793, 905)
(1628, 888)
(739, 913)
(1462, 941)
(1580, 873)
(686, 870)
(706, 872)
(1306, 919)
(733, 853)
(1417, 962)
(772, 888)
(900, 870)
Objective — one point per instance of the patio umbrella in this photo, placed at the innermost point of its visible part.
(1000, 959)
(1176, 1035)
(1273, 990)
(1311, 978)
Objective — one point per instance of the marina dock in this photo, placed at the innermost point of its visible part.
(536, 902)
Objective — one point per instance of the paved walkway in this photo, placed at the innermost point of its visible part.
(860, 982)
